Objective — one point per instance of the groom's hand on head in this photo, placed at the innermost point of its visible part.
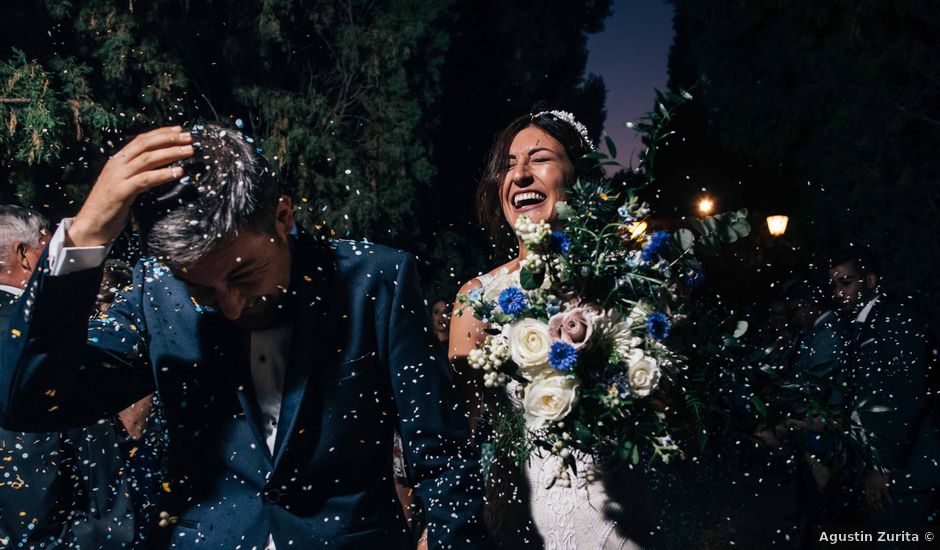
(144, 163)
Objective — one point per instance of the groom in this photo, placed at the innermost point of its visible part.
(285, 361)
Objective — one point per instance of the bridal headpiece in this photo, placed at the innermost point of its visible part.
(569, 118)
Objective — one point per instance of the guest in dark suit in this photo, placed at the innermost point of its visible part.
(887, 388)
(58, 489)
(285, 362)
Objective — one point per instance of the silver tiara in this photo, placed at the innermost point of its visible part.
(569, 118)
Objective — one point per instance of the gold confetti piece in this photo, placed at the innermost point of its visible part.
(16, 333)
(53, 408)
(22, 514)
(50, 393)
(166, 487)
(308, 278)
(132, 452)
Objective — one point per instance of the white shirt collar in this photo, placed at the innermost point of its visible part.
(863, 315)
(16, 291)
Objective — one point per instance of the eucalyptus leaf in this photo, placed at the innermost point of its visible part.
(530, 280)
(759, 405)
(742, 228)
(564, 211)
(685, 238)
(727, 234)
(610, 146)
(710, 223)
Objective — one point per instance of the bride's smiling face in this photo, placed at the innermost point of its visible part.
(536, 174)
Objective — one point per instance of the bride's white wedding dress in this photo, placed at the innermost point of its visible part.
(579, 516)
(585, 515)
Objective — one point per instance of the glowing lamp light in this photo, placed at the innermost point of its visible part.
(637, 229)
(777, 225)
(705, 206)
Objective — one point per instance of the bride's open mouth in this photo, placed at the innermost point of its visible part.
(528, 200)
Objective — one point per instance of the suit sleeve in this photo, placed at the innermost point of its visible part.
(57, 369)
(898, 362)
(443, 465)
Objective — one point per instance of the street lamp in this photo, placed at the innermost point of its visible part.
(705, 206)
(777, 224)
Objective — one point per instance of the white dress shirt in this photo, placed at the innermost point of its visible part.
(14, 290)
(269, 348)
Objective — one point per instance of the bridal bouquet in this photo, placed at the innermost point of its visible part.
(582, 336)
(587, 339)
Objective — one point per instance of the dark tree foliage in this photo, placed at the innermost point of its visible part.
(829, 111)
(339, 93)
(376, 131)
(505, 59)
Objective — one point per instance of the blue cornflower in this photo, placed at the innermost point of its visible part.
(561, 242)
(562, 356)
(656, 246)
(512, 300)
(657, 326)
(694, 279)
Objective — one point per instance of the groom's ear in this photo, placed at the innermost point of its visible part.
(284, 217)
(871, 281)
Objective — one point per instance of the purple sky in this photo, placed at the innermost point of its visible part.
(631, 53)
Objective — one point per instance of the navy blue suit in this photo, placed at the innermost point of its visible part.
(77, 488)
(362, 364)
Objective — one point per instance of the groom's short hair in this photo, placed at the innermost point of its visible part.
(227, 186)
(861, 258)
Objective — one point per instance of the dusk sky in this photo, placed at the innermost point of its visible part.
(631, 54)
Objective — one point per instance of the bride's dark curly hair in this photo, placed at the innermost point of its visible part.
(488, 208)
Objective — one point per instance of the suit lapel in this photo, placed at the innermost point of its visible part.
(311, 274)
(227, 346)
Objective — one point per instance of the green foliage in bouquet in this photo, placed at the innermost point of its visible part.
(591, 337)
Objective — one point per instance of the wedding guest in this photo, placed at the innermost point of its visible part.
(440, 321)
(60, 489)
(887, 393)
(817, 363)
(285, 362)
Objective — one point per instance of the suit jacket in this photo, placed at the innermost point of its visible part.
(820, 356)
(363, 363)
(890, 370)
(64, 489)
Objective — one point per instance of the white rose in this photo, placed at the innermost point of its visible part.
(529, 344)
(549, 399)
(643, 373)
(500, 282)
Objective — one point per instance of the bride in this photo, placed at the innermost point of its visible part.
(532, 161)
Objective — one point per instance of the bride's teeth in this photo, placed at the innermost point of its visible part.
(526, 196)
